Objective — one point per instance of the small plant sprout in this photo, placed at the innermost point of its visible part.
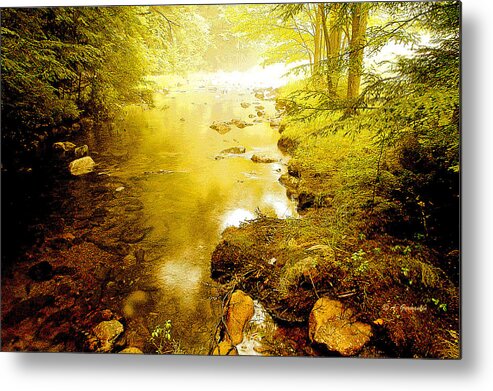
(161, 338)
(358, 255)
(440, 306)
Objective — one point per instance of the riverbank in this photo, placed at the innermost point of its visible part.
(346, 251)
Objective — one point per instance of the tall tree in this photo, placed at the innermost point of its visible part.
(357, 45)
(333, 32)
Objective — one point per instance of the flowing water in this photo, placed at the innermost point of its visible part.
(189, 195)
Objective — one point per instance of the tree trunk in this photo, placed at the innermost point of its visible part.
(317, 43)
(356, 48)
(333, 41)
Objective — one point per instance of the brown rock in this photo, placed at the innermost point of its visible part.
(225, 348)
(81, 151)
(234, 150)
(81, 166)
(238, 123)
(63, 146)
(106, 333)
(263, 159)
(238, 314)
(220, 127)
(334, 325)
(131, 350)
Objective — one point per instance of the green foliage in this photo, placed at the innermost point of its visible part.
(358, 255)
(412, 111)
(162, 340)
(61, 63)
(439, 305)
(404, 250)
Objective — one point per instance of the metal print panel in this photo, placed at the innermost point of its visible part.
(267, 179)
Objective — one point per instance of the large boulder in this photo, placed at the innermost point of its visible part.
(81, 166)
(334, 325)
(239, 312)
(106, 334)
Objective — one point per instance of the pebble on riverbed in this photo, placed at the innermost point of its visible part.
(220, 127)
(259, 158)
(233, 150)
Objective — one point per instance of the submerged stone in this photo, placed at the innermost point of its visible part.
(220, 127)
(239, 123)
(81, 166)
(259, 158)
(134, 302)
(233, 150)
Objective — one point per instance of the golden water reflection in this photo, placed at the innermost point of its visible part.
(190, 197)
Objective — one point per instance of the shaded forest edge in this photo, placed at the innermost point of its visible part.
(376, 178)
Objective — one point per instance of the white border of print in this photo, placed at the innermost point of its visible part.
(28, 371)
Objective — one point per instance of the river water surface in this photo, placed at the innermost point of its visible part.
(189, 194)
